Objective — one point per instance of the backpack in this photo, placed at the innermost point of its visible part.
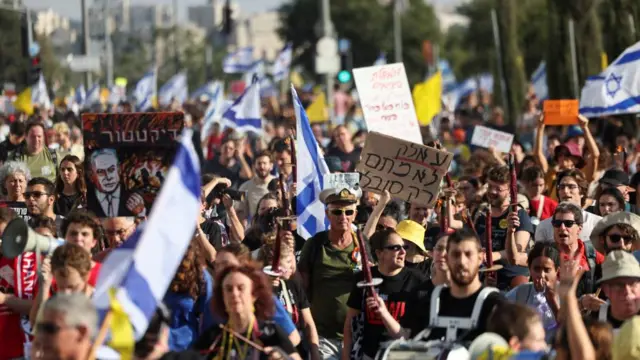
(587, 283)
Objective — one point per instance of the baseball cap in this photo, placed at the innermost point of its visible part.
(615, 177)
(619, 264)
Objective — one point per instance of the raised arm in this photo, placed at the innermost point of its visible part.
(592, 166)
(538, 151)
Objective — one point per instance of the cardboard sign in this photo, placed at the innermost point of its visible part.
(560, 112)
(386, 101)
(127, 159)
(342, 180)
(486, 137)
(409, 171)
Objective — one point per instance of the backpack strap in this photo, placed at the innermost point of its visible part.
(523, 292)
(602, 314)
(590, 253)
(477, 308)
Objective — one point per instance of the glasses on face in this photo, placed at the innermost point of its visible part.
(48, 328)
(616, 238)
(119, 232)
(396, 247)
(567, 186)
(338, 212)
(620, 287)
(566, 223)
(34, 194)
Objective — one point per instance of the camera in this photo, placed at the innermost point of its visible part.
(274, 217)
(222, 189)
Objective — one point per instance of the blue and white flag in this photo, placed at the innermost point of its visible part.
(239, 61)
(485, 82)
(206, 91)
(381, 59)
(214, 111)
(135, 276)
(539, 82)
(310, 170)
(80, 95)
(282, 64)
(448, 77)
(246, 113)
(257, 69)
(93, 95)
(174, 88)
(145, 90)
(117, 94)
(40, 94)
(616, 90)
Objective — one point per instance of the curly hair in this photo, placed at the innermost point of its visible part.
(189, 277)
(10, 168)
(499, 174)
(239, 250)
(625, 230)
(42, 221)
(80, 183)
(261, 289)
(71, 256)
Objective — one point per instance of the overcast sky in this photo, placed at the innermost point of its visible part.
(71, 8)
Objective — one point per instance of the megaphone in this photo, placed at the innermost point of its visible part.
(19, 238)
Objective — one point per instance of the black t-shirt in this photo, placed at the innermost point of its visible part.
(499, 226)
(431, 236)
(65, 203)
(396, 292)
(297, 299)
(232, 173)
(615, 323)
(348, 161)
(420, 307)
(6, 147)
(423, 268)
(216, 233)
(267, 333)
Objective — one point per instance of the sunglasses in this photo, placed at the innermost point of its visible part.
(48, 328)
(566, 223)
(35, 194)
(338, 212)
(396, 247)
(616, 238)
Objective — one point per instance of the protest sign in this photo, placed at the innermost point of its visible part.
(560, 112)
(409, 171)
(342, 180)
(19, 207)
(386, 101)
(127, 158)
(486, 137)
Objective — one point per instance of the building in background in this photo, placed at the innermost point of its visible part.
(15, 4)
(48, 21)
(260, 31)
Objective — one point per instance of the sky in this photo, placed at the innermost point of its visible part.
(71, 8)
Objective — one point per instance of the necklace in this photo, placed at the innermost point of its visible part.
(228, 341)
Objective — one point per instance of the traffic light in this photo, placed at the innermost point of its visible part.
(344, 76)
(227, 20)
(35, 70)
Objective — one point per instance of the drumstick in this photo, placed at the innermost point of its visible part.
(236, 334)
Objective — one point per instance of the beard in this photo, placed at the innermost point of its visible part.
(463, 277)
(496, 201)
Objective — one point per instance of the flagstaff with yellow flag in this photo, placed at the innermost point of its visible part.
(427, 97)
(23, 102)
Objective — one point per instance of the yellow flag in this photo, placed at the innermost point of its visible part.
(104, 95)
(23, 102)
(296, 79)
(427, 97)
(604, 60)
(122, 337)
(154, 101)
(317, 110)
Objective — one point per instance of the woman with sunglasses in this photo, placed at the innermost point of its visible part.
(398, 283)
(71, 188)
(243, 296)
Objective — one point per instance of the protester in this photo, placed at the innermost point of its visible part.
(40, 196)
(256, 188)
(40, 161)
(71, 186)
(14, 176)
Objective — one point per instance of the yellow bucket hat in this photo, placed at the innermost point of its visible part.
(413, 232)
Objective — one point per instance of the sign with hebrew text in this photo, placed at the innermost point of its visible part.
(487, 137)
(409, 171)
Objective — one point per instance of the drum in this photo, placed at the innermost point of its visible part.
(421, 350)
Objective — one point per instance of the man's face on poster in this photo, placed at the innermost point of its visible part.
(105, 172)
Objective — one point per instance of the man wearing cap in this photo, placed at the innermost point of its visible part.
(413, 235)
(617, 231)
(621, 283)
(620, 180)
(328, 264)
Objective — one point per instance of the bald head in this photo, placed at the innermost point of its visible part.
(118, 229)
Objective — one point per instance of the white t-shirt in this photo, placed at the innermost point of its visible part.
(544, 231)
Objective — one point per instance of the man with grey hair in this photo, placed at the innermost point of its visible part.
(567, 224)
(66, 329)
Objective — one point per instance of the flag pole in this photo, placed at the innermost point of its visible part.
(102, 335)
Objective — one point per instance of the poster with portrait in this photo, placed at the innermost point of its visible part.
(127, 157)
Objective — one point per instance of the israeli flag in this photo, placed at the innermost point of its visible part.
(145, 90)
(539, 82)
(93, 96)
(40, 94)
(282, 64)
(448, 77)
(80, 96)
(206, 91)
(485, 82)
(116, 94)
(257, 69)
(381, 59)
(135, 276)
(214, 111)
(615, 90)
(175, 88)
(310, 170)
(239, 61)
(246, 113)
(451, 98)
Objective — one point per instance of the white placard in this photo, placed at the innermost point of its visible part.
(486, 137)
(342, 180)
(386, 101)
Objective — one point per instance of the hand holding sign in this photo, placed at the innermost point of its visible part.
(560, 112)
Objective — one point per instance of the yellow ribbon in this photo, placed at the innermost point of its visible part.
(122, 337)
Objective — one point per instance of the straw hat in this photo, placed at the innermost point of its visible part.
(619, 264)
(621, 217)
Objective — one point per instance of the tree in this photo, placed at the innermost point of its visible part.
(618, 26)
(13, 65)
(558, 56)
(367, 24)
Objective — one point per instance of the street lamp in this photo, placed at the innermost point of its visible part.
(399, 6)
